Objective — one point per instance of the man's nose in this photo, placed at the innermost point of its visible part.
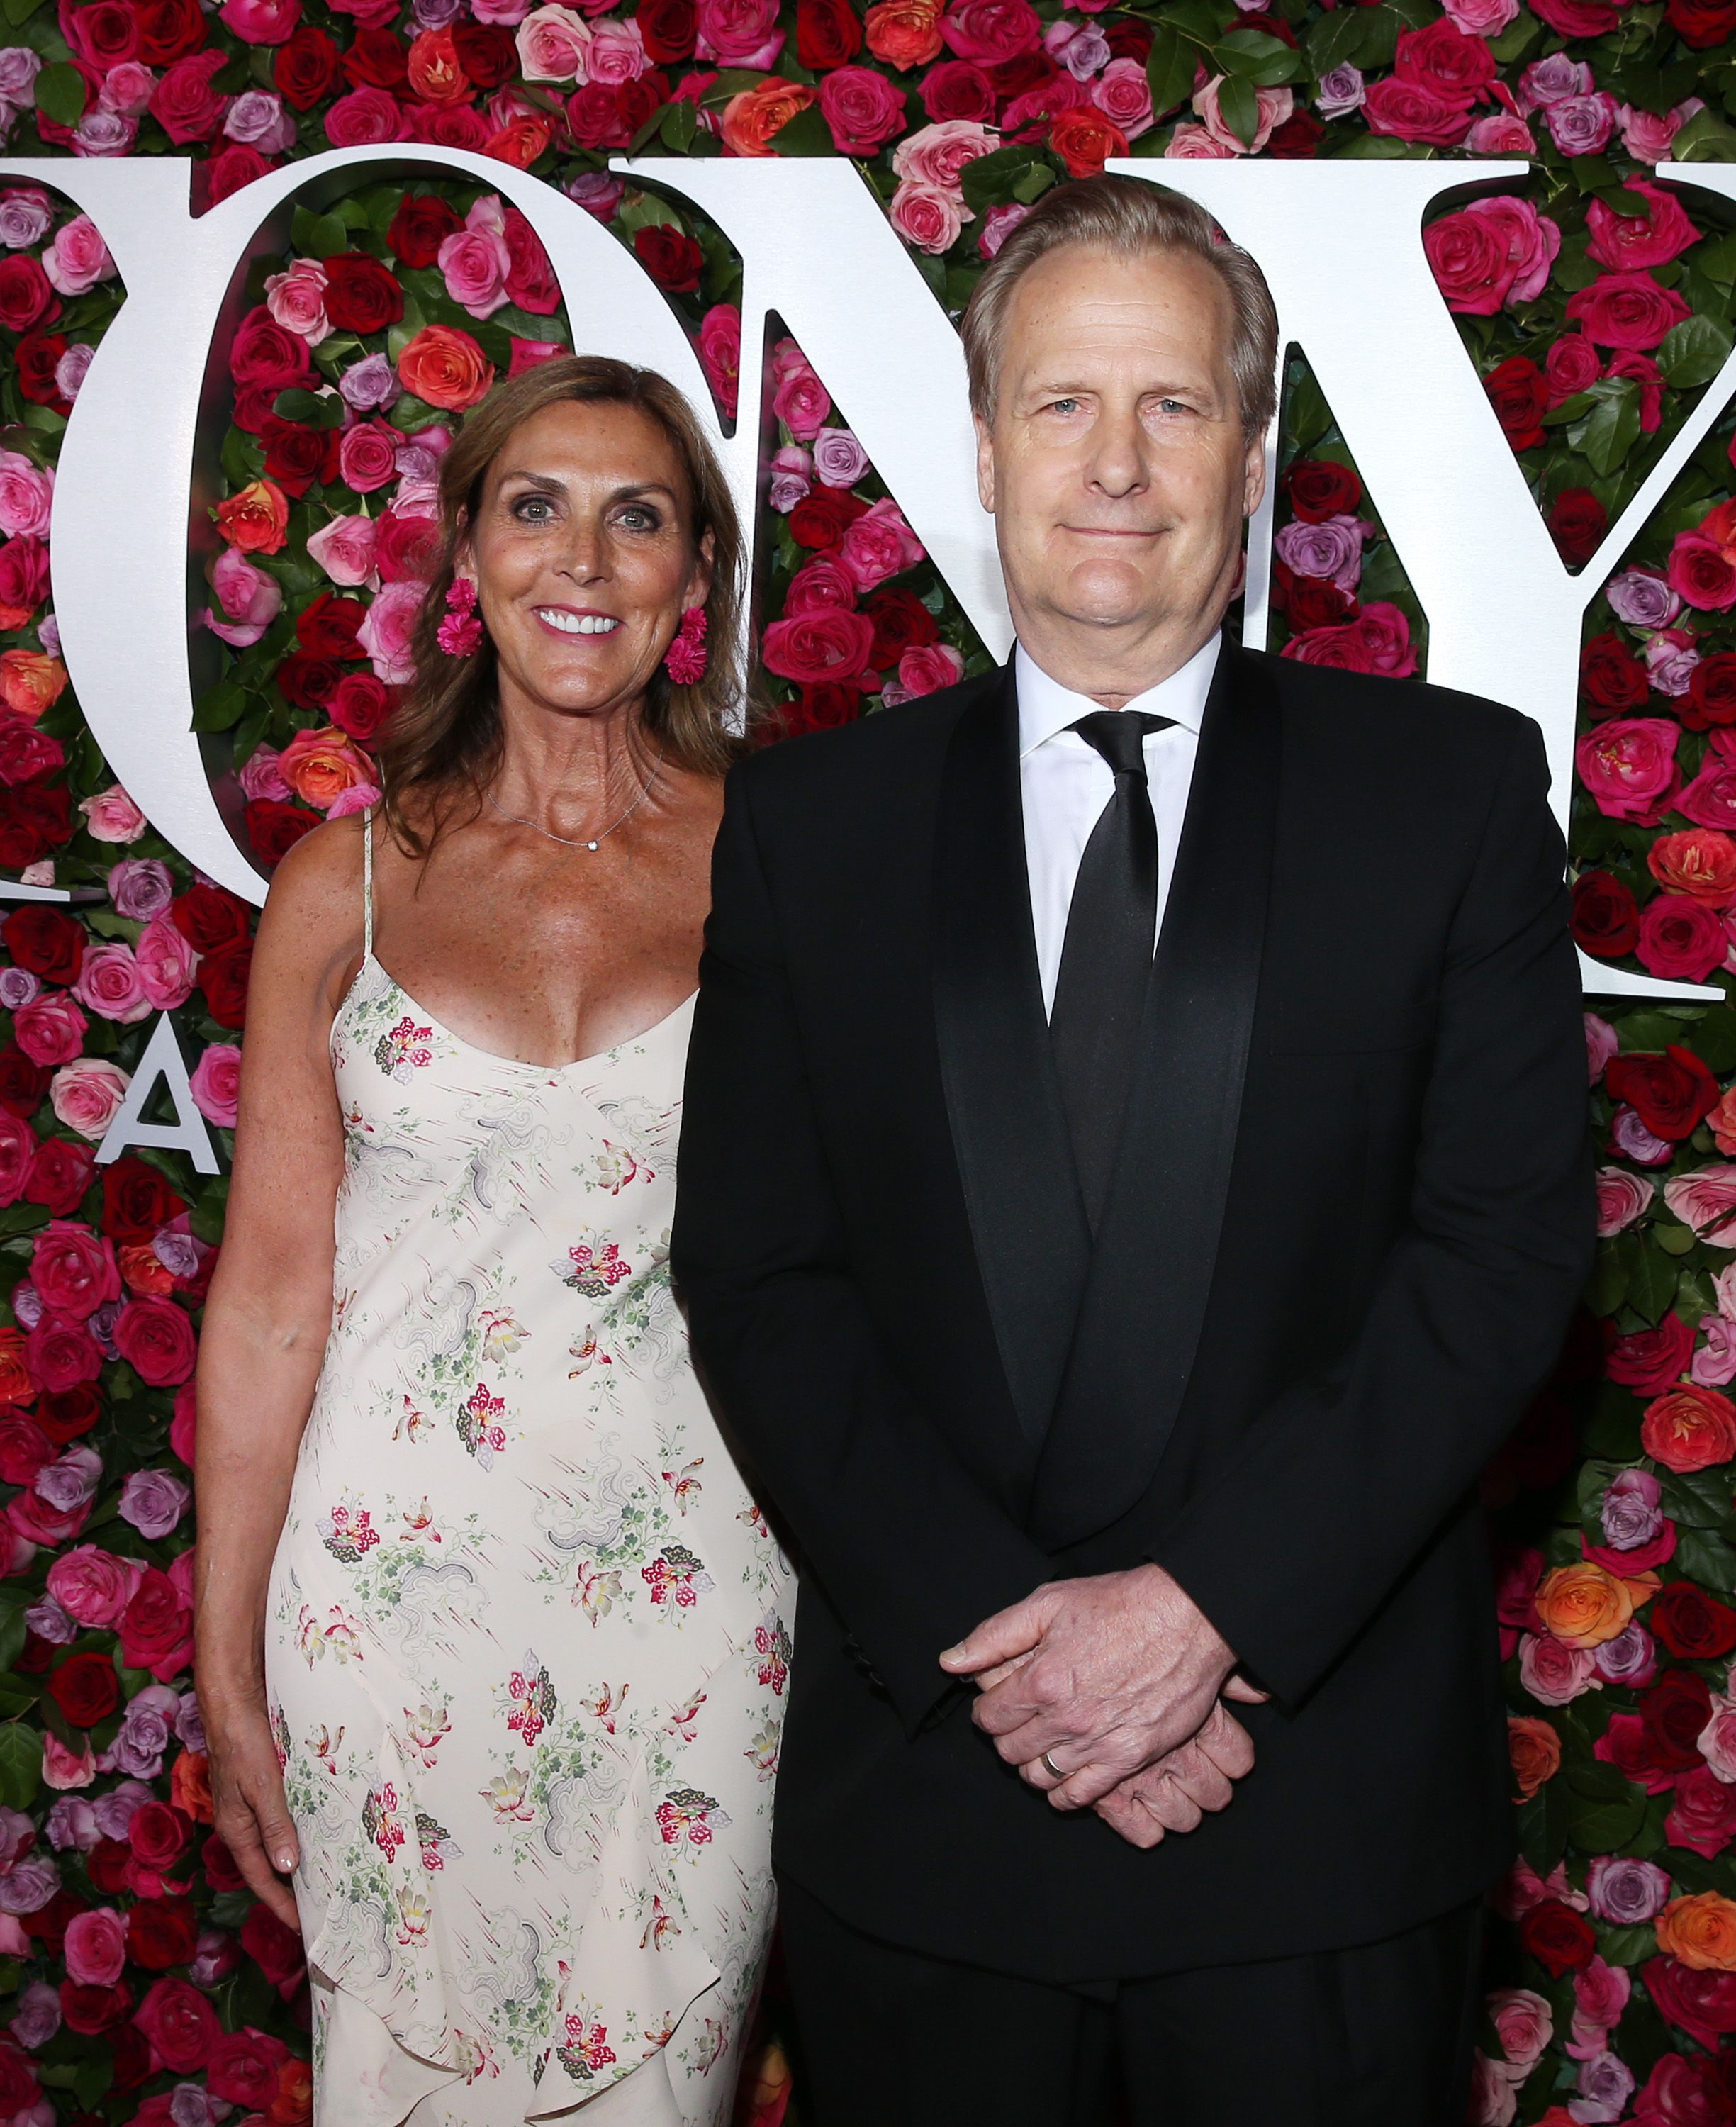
(1118, 459)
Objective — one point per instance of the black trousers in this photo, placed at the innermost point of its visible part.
(1376, 2036)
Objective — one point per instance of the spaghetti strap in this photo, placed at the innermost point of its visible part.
(367, 883)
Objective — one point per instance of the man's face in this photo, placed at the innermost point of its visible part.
(1115, 465)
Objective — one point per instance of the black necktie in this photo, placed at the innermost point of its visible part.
(1106, 959)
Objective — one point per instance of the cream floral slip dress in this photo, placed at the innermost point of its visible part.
(526, 1647)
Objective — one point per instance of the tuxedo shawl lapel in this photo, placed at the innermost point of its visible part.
(1003, 1097)
(1141, 1312)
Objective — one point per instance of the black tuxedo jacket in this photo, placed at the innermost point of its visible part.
(1352, 1210)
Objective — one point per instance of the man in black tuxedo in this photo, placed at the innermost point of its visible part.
(1118, 1337)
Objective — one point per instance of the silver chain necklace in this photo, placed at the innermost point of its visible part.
(567, 841)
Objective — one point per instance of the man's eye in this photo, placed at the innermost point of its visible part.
(1063, 405)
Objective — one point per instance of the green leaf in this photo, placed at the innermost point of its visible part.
(220, 706)
(296, 405)
(1627, 1945)
(1516, 40)
(92, 2075)
(1610, 430)
(23, 1218)
(1704, 139)
(60, 93)
(1169, 67)
(1675, 1240)
(12, 1604)
(1716, 258)
(1694, 352)
(1602, 1824)
(1707, 1559)
(230, 1908)
(17, 11)
(1651, 1278)
(1036, 181)
(21, 1764)
(988, 180)
(1700, 1498)
(1239, 108)
(677, 127)
(1613, 1428)
(1336, 40)
(1264, 60)
(806, 133)
(1306, 414)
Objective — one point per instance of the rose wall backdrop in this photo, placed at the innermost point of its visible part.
(139, 1980)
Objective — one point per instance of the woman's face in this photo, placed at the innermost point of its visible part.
(583, 558)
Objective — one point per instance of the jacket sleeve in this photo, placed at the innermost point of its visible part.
(911, 1551)
(1291, 1547)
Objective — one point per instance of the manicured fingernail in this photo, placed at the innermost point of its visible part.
(284, 1862)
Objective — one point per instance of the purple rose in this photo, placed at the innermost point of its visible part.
(1633, 1141)
(1342, 91)
(48, 633)
(369, 384)
(216, 1955)
(436, 14)
(72, 368)
(16, 1833)
(1606, 2084)
(141, 888)
(139, 1743)
(19, 66)
(998, 223)
(50, 1621)
(190, 1723)
(72, 1822)
(1642, 597)
(153, 1502)
(598, 193)
(190, 2105)
(18, 988)
(179, 1253)
(37, 2016)
(1581, 124)
(838, 459)
(1670, 658)
(1553, 80)
(257, 118)
(248, 600)
(1625, 1891)
(70, 1480)
(1631, 1513)
(1331, 550)
(790, 470)
(26, 1305)
(101, 132)
(1630, 1658)
(28, 1888)
(102, 1327)
(115, 1810)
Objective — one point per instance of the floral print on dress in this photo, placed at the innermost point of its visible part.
(535, 1833)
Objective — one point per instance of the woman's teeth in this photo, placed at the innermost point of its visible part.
(577, 623)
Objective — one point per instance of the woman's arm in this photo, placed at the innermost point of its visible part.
(266, 1325)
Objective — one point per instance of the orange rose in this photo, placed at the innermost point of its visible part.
(15, 1385)
(436, 72)
(293, 2106)
(444, 366)
(1084, 140)
(256, 519)
(30, 681)
(750, 119)
(190, 1787)
(519, 142)
(1699, 1931)
(1690, 1428)
(1583, 1605)
(1534, 1750)
(320, 766)
(144, 1270)
(905, 33)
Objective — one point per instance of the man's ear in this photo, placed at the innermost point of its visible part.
(985, 463)
(1253, 476)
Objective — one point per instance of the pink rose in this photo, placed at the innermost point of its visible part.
(821, 645)
(1500, 134)
(553, 43)
(108, 983)
(1714, 1362)
(93, 1586)
(1702, 1814)
(1710, 800)
(17, 1149)
(1581, 124)
(1523, 2023)
(937, 154)
(345, 549)
(1413, 110)
(1272, 107)
(165, 963)
(1648, 135)
(999, 223)
(991, 31)
(1495, 251)
(1717, 1739)
(262, 22)
(1621, 1198)
(1705, 1200)
(862, 108)
(720, 353)
(260, 778)
(1629, 766)
(924, 669)
(1625, 242)
(925, 216)
(1494, 2097)
(77, 259)
(74, 1269)
(249, 599)
(1601, 1043)
(184, 103)
(791, 477)
(385, 633)
(367, 456)
(62, 1768)
(1553, 1672)
(1189, 143)
(112, 816)
(738, 33)
(1702, 572)
(297, 300)
(1627, 310)
(216, 1083)
(618, 54)
(821, 584)
(85, 1093)
(1123, 93)
(365, 118)
(1670, 657)
(95, 1940)
(1482, 18)
(879, 544)
(799, 399)
(1378, 640)
(60, 1355)
(50, 1029)
(27, 496)
(474, 261)
(1681, 940)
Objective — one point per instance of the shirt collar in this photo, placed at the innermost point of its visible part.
(1046, 706)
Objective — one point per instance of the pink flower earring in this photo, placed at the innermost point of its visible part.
(460, 634)
(684, 660)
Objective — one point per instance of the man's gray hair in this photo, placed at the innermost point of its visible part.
(1131, 218)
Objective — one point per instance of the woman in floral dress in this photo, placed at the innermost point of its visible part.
(493, 1638)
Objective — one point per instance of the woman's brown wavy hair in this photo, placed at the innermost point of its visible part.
(442, 744)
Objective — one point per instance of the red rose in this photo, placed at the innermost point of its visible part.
(376, 59)
(360, 704)
(1084, 137)
(1670, 1093)
(161, 1932)
(1711, 695)
(43, 939)
(228, 169)
(361, 294)
(220, 1871)
(1703, 2004)
(185, 104)
(48, 1924)
(168, 30)
(85, 1689)
(73, 1411)
(673, 260)
(242, 2067)
(1694, 1626)
(595, 119)
(1613, 680)
(23, 1085)
(1319, 488)
(958, 89)
(1626, 1744)
(137, 1200)
(274, 1949)
(304, 67)
(38, 358)
(1606, 921)
(263, 353)
(1577, 522)
(991, 30)
(274, 829)
(59, 1175)
(827, 33)
(530, 278)
(1626, 310)
(822, 517)
(1519, 393)
(1650, 1361)
(1309, 601)
(89, 2009)
(327, 627)
(901, 622)
(821, 705)
(1412, 111)
(1675, 1712)
(1702, 24)
(306, 682)
(26, 294)
(1301, 134)
(208, 916)
(486, 53)
(180, 2024)
(826, 644)
(296, 457)
(158, 1835)
(156, 1339)
(1559, 1939)
(667, 29)
(1442, 58)
(19, 2088)
(1702, 1814)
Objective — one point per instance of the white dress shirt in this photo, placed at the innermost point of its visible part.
(1065, 783)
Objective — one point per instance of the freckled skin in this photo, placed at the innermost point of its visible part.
(1116, 467)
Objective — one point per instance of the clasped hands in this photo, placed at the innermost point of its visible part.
(1121, 1681)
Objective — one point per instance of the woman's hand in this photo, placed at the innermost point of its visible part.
(252, 1813)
